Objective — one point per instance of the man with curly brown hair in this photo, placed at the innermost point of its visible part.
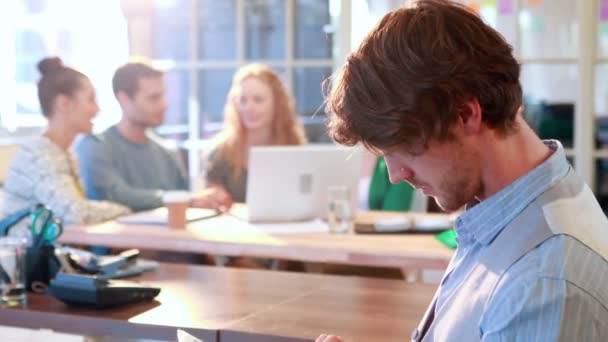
(436, 92)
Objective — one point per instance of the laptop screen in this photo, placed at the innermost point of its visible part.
(289, 183)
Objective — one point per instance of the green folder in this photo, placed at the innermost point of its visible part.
(448, 238)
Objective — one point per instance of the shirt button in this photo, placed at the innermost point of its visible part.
(415, 334)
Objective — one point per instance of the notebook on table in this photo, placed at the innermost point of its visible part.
(395, 223)
(160, 216)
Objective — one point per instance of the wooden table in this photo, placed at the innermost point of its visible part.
(220, 304)
(227, 235)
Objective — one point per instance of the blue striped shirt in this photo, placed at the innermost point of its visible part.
(555, 292)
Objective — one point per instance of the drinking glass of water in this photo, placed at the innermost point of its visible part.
(12, 271)
(339, 214)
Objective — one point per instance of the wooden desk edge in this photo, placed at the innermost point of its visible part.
(95, 326)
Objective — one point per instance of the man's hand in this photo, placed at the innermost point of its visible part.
(330, 338)
(212, 198)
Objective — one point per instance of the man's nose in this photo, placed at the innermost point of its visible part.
(397, 173)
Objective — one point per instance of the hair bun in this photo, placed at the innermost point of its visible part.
(50, 64)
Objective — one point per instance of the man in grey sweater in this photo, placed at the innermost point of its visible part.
(126, 163)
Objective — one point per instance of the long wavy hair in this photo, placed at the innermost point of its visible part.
(287, 129)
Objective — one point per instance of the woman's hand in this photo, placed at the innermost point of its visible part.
(215, 197)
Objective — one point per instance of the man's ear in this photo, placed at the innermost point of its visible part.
(471, 116)
(123, 99)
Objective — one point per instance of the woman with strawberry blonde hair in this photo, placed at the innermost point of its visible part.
(259, 111)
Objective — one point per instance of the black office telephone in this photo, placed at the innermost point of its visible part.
(89, 290)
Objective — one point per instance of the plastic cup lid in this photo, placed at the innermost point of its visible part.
(176, 197)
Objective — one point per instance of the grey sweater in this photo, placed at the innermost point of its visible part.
(116, 169)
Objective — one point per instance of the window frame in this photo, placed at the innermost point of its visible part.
(198, 132)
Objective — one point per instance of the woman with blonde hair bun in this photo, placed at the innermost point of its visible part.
(44, 170)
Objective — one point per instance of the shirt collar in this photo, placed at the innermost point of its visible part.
(483, 221)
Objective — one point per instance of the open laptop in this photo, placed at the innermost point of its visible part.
(289, 183)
